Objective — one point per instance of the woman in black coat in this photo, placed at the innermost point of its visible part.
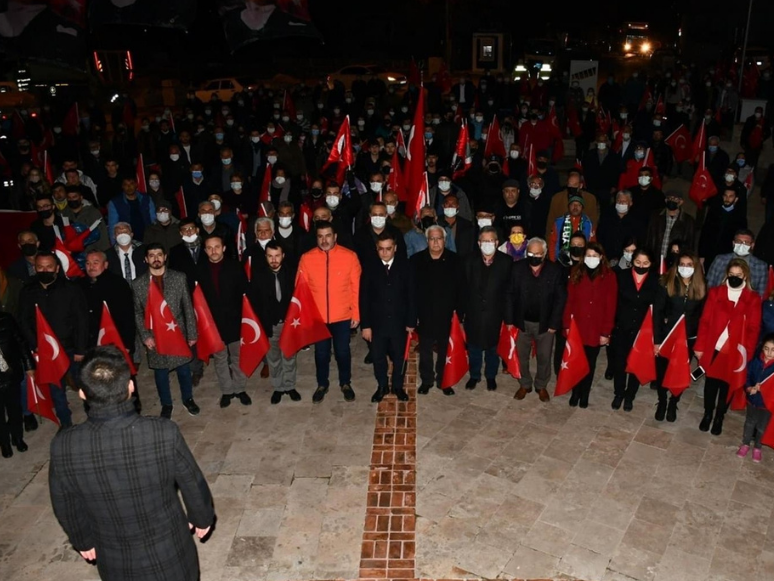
(638, 289)
(686, 290)
(15, 360)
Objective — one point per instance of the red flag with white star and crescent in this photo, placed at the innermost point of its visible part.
(304, 324)
(575, 365)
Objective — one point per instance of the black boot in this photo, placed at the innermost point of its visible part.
(661, 408)
(671, 414)
(574, 398)
(704, 426)
(584, 398)
(717, 425)
(6, 450)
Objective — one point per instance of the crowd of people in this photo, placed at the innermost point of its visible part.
(238, 201)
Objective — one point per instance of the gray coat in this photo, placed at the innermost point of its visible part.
(179, 302)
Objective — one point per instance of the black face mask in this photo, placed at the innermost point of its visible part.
(542, 164)
(577, 251)
(735, 281)
(74, 204)
(534, 260)
(427, 221)
(45, 214)
(46, 277)
(641, 269)
(316, 192)
(672, 205)
(572, 191)
(29, 249)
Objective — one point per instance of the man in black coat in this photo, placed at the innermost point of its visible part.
(535, 306)
(724, 219)
(223, 283)
(602, 168)
(367, 237)
(462, 230)
(439, 292)
(129, 518)
(16, 355)
(488, 278)
(387, 311)
(186, 256)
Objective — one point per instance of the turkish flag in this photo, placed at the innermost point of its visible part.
(341, 152)
(531, 163)
(675, 348)
(456, 365)
(400, 144)
(288, 105)
(209, 341)
(424, 196)
(39, 400)
(730, 364)
(180, 197)
(494, 140)
(304, 324)
(573, 122)
(108, 335)
(395, 180)
(703, 186)
(72, 121)
(161, 322)
(253, 344)
(265, 193)
(142, 186)
(461, 161)
(69, 265)
(49, 171)
(241, 240)
(575, 364)
(53, 361)
(699, 142)
(415, 152)
(680, 142)
(660, 106)
(642, 358)
(506, 349)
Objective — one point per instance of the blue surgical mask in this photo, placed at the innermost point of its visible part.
(315, 132)
(713, 148)
(740, 162)
(219, 136)
(428, 135)
(196, 174)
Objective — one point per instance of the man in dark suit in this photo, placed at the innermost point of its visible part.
(387, 311)
(367, 237)
(602, 168)
(130, 519)
(127, 257)
(223, 282)
(488, 277)
(462, 230)
(185, 256)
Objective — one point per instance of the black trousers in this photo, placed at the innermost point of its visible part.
(715, 394)
(428, 372)
(391, 346)
(10, 414)
(663, 393)
(583, 388)
(625, 385)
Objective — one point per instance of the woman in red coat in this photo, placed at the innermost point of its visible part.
(592, 293)
(734, 299)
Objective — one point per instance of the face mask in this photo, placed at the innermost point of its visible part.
(332, 201)
(216, 204)
(190, 116)
(60, 205)
(656, 123)
(207, 219)
(230, 122)
(713, 148)
(428, 134)
(534, 260)
(577, 251)
(622, 208)
(514, 154)
(279, 180)
(735, 281)
(591, 261)
(154, 184)
(336, 111)
(34, 179)
(444, 185)
(162, 216)
(45, 214)
(236, 186)
(174, 156)
(376, 186)
(263, 243)
(450, 212)
(316, 192)
(672, 205)
(124, 239)
(404, 109)
(190, 239)
(517, 239)
(571, 190)
(407, 128)
(74, 204)
(315, 132)
(220, 136)
(641, 269)
(208, 111)
(685, 271)
(272, 159)
(730, 178)
(602, 146)
(46, 277)
(639, 154)
(644, 180)
(484, 222)
(29, 249)
(624, 115)
(390, 209)
(270, 130)
(288, 138)
(59, 129)
(94, 152)
(378, 221)
(740, 162)
(255, 139)
(627, 256)
(226, 160)
(741, 249)
(488, 248)
(535, 192)
(197, 175)
(427, 221)
(479, 119)
(542, 164)
(285, 118)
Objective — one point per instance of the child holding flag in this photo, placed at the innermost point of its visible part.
(759, 370)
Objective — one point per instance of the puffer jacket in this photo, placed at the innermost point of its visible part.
(334, 280)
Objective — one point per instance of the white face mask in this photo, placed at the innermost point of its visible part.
(207, 219)
(288, 138)
(444, 185)
(535, 192)
(376, 186)
(332, 201)
(190, 239)
(602, 146)
(255, 139)
(622, 208)
(270, 130)
(272, 159)
(450, 212)
(285, 221)
(174, 156)
(263, 243)
(154, 184)
(514, 154)
(390, 209)
(124, 239)
(591, 261)
(236, 186)
(627, 256)
(162, 217)
(730, 178)
(685, 271)
(488, 248)
(627, 136)
(639, 154)
(279, 180)
(741, 249)
(483, 222)
(216, 204)
(378, 221)
(644, 180)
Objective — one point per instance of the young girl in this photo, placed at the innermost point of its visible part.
(757, 415)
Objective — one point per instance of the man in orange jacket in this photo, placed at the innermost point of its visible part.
(333, 275)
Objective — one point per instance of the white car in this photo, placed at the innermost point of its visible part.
(348, 74)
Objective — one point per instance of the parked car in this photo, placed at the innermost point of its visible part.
(348, 74)
(223, 89)
(11, 96)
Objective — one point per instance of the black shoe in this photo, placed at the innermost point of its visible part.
(166, 412)
(704, 426)
(661, 410)
(319, 394)
(368, 359)
(671, 414)
(349, 393)
(471, 384)
(197, 377)
(378, 395)
(225, 400)
(400, 394)
(6, 450)
(424, 389)
(491, 384)
(617, 401)
(574, 399)
(20, 444)
(628, 405)
(608, 375)
(243, 398)
(276, 397)
(448, 391)
(294, 395)
(584, 402)
(30, 423)
(191, 406)
(717, 425)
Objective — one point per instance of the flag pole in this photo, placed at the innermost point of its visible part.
(672, 330)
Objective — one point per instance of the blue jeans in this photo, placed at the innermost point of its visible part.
(322, 354)
(476, 356)
(184, 378)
